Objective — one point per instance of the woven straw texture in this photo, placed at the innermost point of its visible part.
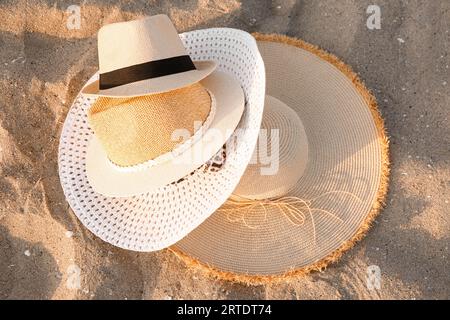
(283, 138)
(156, 220)
(344, 183)
(135, 130)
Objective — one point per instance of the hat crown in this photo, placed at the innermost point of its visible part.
(275, 175)
(135, 130)
(125, 44)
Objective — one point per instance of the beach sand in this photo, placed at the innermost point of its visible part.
(45, 252)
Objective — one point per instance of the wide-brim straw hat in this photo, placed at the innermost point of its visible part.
(331, 182)
(144, 56)
(157, 219)
(140, 125)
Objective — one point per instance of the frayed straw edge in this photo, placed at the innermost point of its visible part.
(379, 203)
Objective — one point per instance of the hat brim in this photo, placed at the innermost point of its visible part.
(154, 85)
(343, 185)
(105, 178)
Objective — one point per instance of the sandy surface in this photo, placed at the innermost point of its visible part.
(43, 64)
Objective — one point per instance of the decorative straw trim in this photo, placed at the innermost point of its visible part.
(379, 203)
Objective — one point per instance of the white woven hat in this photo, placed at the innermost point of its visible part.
(157, 219)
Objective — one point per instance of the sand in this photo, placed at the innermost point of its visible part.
(45, 253)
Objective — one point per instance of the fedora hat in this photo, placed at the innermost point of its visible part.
(147, 205)
(145, 141)
(144, 56)
(331, 178)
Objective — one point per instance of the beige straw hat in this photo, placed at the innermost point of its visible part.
(135, 148)
(144, 56)
(162, 117)
(331, 179)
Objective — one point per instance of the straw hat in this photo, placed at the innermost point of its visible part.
(330, 181)
(89, 161)
(144, 56)
(158, 116)
(136, 146)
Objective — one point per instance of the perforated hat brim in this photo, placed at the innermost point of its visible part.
(344, 182)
